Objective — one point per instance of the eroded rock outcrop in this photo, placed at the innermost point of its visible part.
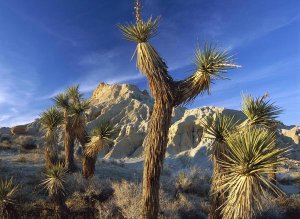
(129, 109)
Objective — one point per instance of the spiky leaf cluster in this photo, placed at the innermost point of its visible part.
(74, 94)
(55, 181)
(140, 32)
(218, 127)
(62, 101)
(51, 118)
(8, 192)
(251, 154)
(210, 63)
(260, 111)
(101, 136)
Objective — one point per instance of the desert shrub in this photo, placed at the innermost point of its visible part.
(26, 142)
(8, 197)
(184, 206)
(127, 197)
(5, 138)
(194, 180)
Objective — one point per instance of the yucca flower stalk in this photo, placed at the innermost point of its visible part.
(51, 120)
(167, 93)
(102, 136)
(55, 183)
(8, 193)
(217, 128)
(251, 155)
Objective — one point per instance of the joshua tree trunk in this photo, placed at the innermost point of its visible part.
(51, 152)
(217, 198)
(61, 208)
(154, 155)
(88, 166)
(88, 163)
(69, 140)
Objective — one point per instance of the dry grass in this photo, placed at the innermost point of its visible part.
(194, 181)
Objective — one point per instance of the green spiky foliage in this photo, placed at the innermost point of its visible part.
(217, 128)
(211, 63)
(55, 183)
(101, 136)
(260, 111)
(8, 193)
(51, 120)
(167, 94)
(62, 101)
(251, 155)
(74, 94)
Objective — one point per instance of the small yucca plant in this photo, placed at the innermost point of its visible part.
(55, 181)
(251, 155)
(8, 194)
(56, 185)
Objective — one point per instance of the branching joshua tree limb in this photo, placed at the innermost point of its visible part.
(167, 93)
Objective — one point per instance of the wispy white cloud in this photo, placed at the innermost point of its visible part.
(265, 27)
(17, 92)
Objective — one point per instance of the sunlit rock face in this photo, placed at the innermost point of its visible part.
(129, 109)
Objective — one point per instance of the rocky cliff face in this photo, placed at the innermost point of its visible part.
(130, 109)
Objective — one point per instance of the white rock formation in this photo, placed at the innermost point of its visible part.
(130, 108)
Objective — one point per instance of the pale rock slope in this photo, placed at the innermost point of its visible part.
(129, 109)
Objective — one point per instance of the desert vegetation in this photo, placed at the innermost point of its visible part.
(40, 176)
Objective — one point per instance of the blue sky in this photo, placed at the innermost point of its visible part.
(46, 46)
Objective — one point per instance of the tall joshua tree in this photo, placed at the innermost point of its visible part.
(62, 101)
(51, 119)
(210, 63)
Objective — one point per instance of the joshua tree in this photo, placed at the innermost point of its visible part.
(216, 129)
(55, 184)
(261, 112)
(8, 193)
(79, 126)
(51, 119)
(62, 101)
(252, 153)
(210, 63)
(101, 137)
